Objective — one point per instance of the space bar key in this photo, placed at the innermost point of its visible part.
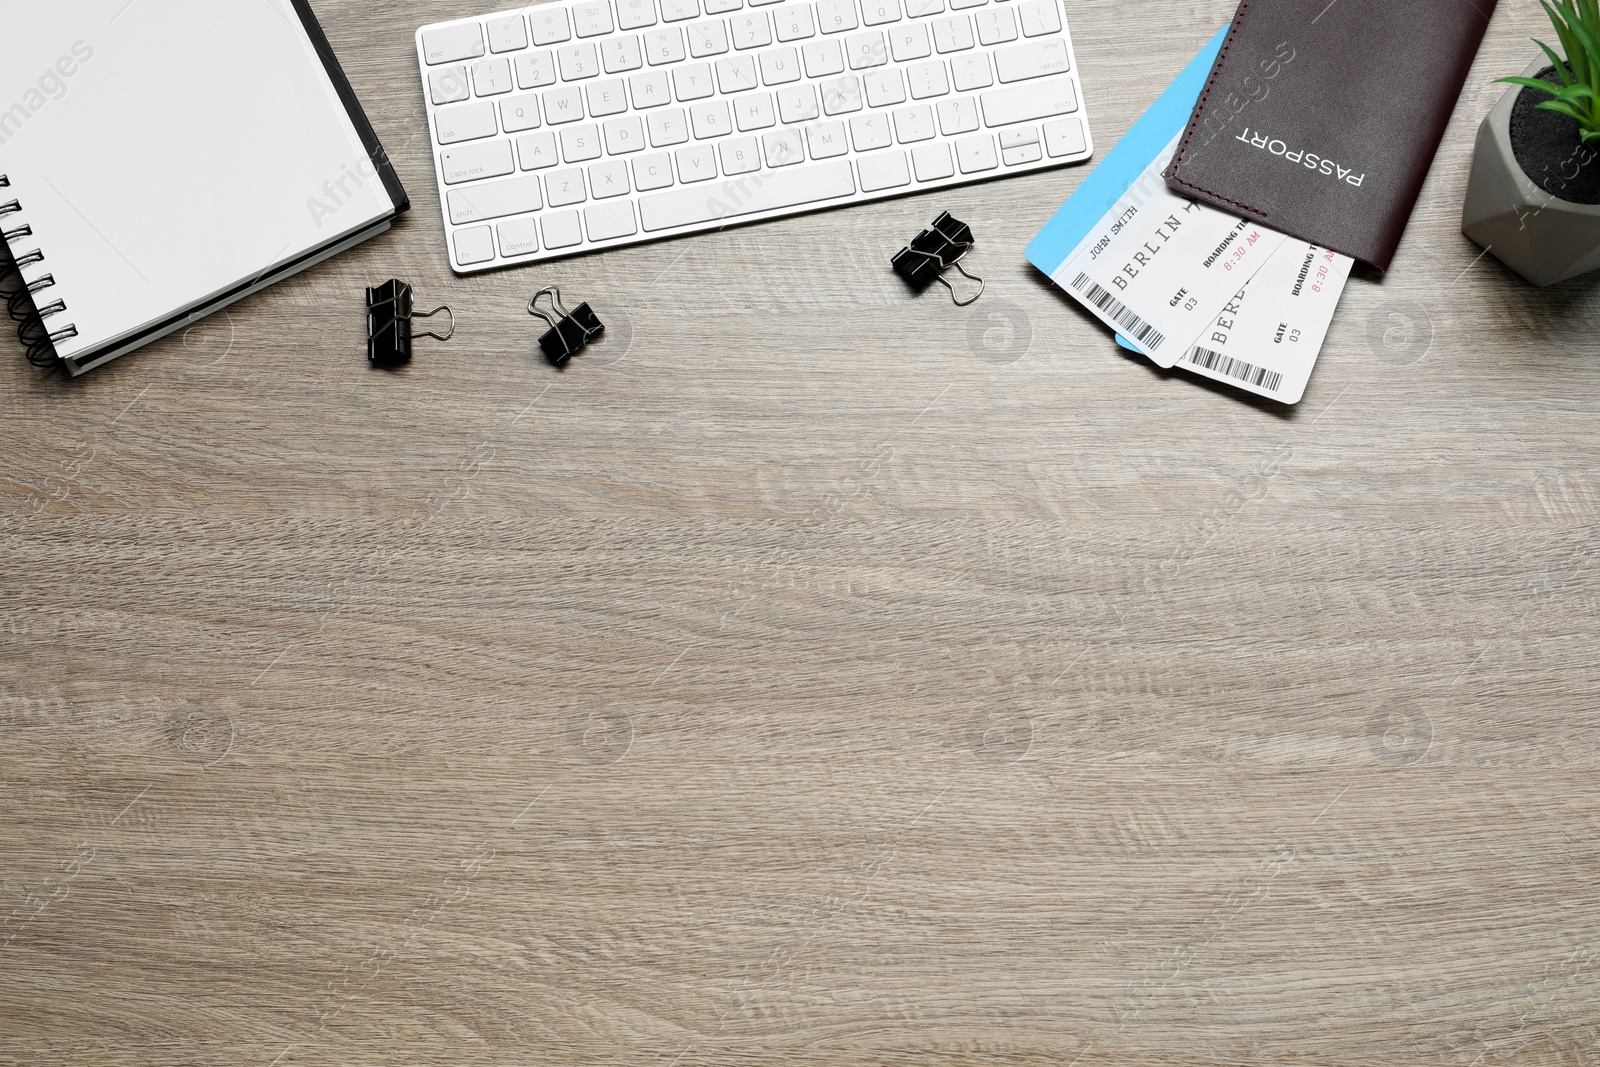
(767, 190)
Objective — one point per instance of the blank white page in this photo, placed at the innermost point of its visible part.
(187, 152)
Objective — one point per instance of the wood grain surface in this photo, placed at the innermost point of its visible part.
(812, 674)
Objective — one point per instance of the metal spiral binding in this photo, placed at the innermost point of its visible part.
(17, 293)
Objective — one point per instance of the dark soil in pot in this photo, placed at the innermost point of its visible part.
(1549, 150)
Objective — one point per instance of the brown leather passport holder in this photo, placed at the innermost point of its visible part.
(1321, 119)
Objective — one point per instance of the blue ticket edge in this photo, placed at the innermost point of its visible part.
(1123, 165)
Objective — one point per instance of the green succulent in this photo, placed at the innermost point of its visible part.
(1577, 23)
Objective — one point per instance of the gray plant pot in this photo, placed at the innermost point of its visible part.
(1541, 237)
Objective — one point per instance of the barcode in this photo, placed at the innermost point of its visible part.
(1131, 324)
(1206, 359)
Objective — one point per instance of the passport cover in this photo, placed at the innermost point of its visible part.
(1321, 119)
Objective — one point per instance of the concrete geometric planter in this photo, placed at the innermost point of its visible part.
(1537, 234)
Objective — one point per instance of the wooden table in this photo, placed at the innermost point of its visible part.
(812, 674)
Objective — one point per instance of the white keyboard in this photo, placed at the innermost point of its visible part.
(588, 124)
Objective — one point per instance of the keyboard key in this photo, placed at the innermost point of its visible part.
(693, 82)
(491, 77)
(535, 69)
(923, 8)
(826, 140)
(561, 229)
(885, 87)
(578, 61)
(663, 46)
(1027, 153)
(621, 53)
(779, 66)
(883, 170)
(1034, 59)
(469, 162)
(976, 154)
(465, 122)
(678, 10)
(652, 172)
(507, 34)
(865, 50)
(635, 14)
(549, 24)
(1040, 17)
(722, 7)
(870, 131)
(451, 44)
(668, 127)
(518, 113)
(735, 74)
(708, 38)
(880, 12)
(751, 30)
(518, 237)
(783, 148)
(650, 89)
(740, 155)
(1029, 101)
(822, 58)
(493, 200)
(785, 188)
(563, 105)
(608, 179)
(794, 22)
(958, 115)
(928, 79)
(624, 135)
(840, 96)
(836, 16)
(537, 150)
(1018, 135)
(996, 25)
(932, 161)
(797, 103)
(475, 245)
(962, 5)
(696, 163)
(971, 71)
(1064, 137)
(710, 119)
(609, 97)
(448, 85)
(913, 123)
(607, 222)
(953, 34)
(591, 18)
(563, 187)
(579, 144)
(909, 42)
(754, 111)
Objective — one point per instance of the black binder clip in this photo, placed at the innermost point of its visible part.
(389, 318)
(569, 334)
(935, 251)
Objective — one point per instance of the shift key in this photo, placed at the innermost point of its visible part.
(470, 162)
(1029, 102)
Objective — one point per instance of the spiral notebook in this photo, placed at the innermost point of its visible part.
(161, 159)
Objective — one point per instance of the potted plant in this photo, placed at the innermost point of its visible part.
(1534, 196)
